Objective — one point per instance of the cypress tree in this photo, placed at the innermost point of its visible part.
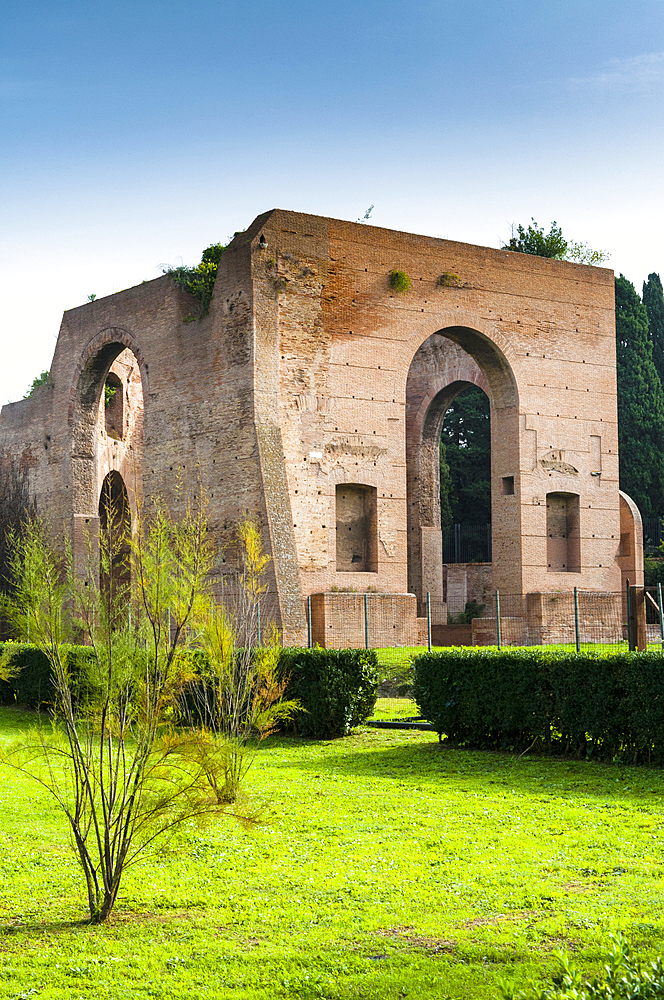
(640, 404)
(653, 300)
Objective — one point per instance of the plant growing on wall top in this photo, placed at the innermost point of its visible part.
(400, 282)
(36, 384)
(199, 281)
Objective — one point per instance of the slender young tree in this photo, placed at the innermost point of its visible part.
(653, 300)
(115, 764)
(640, 404)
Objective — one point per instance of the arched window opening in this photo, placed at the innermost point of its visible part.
(114, 543)
(465, 478)
(114, 406)
(357, 529)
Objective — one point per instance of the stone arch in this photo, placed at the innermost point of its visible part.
(94, 365)
(116, 523)
(443, 366)
(94, 453)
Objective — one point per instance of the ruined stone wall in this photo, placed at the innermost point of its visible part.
(311, 374)
(537, 334)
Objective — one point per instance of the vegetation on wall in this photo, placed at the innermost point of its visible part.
(400, 282)
(533, 240)
(37, 383)
(199, 281)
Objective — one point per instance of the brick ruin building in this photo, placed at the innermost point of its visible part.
(313, 394)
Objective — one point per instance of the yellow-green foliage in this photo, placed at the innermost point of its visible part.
(400, 282)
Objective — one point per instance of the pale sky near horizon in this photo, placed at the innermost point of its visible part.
(134, 134)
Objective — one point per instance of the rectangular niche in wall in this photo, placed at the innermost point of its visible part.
(563, 549)
(357, 529)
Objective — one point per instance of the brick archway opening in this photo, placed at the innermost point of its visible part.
(445, 365)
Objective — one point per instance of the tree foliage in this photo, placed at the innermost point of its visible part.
(465, 460)
(533, 240)
(199, 281)
(37, 382)
(117, 766)
(653, 300)
(640, 404)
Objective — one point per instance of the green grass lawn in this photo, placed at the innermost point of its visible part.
(387, 866)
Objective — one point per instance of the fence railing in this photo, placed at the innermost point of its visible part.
(463, 543)
(653, 535)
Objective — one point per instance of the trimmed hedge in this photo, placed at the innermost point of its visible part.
(336, 687)
(601, 704)
(30, 684)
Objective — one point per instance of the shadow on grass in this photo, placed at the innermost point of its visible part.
(436, 765)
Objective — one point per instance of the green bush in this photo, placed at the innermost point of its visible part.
(29, 673)
(625, 979)
(400, 282)
(337, 688)
(599, 704)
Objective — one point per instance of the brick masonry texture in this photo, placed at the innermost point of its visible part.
(311, 372)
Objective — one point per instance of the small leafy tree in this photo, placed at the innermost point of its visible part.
(199, 281)
(237, 691)
(37, 382)
(534, 240)
(119, 769)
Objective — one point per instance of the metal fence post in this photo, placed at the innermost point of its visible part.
(576, 620)
(258, 622)
(661, 613)
(498, 642)
(630, 630)
(309, 620)
(366, 621)
(428, 621)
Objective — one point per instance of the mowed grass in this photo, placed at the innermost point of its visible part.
(387, 865)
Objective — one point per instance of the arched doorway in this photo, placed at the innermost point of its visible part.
(445, 365)
(114, 541)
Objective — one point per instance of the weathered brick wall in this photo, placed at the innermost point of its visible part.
(310, 372)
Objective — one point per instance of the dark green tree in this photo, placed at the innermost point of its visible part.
(640, 404)
(653, 300)
(465, 467)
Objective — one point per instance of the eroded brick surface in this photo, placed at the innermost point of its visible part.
(310, 373)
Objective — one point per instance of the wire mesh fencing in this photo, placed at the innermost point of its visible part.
(398, 628)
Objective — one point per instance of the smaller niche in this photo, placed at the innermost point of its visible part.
(114, 406)
(357, 528)
(563, 549)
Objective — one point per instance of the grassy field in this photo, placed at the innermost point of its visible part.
(387, 866)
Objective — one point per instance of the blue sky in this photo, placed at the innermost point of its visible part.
(132, 135)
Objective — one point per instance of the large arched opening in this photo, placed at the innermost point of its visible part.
(106, 415)
(447, 364)
(114, 541)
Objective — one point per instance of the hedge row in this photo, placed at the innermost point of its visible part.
(30, 683)
(609, 705)
(337, 688)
